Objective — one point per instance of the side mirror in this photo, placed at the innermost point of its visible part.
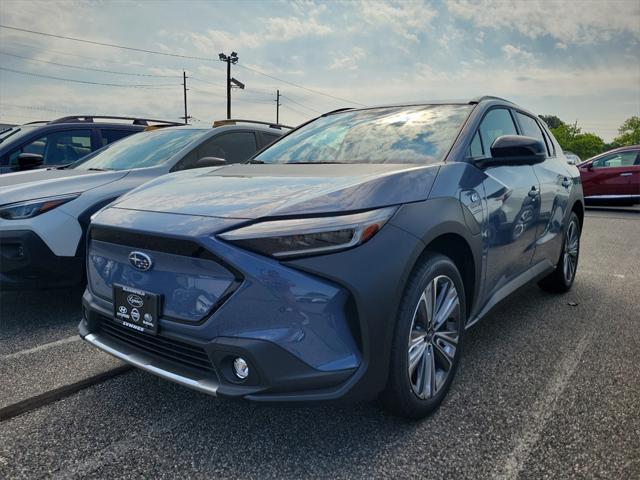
(589, 166)
(518, 150)
(210, 162)
(27, 161)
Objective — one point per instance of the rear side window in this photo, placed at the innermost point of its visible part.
(496, 123)
(234, 147)
(267, 139)
(530, 128)
(57, 148)
(110, 136)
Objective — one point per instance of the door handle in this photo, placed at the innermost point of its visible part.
(626, 174)
(566, 183)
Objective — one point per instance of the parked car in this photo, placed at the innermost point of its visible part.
(572, 158)
(345, 261)
(63, 141)
(613, 176)
(44, 214)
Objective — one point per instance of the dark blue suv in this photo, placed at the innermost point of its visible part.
(344, 261)
(63, 141)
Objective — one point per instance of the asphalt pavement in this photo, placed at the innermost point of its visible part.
(548, 387)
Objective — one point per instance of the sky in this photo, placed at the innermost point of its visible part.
(579, 60)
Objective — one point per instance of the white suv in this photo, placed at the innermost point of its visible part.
(44, 213)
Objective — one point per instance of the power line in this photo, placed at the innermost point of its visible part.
(318, 92)
(300, 112)
(103, 44)
(155, 52)
(86, 68)
(301, 104)
(51, 77)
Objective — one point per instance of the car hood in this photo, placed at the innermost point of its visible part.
(21, 186)
(251, 191)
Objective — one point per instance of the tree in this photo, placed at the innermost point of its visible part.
(629, 132)
(571, 138)
(551, 120)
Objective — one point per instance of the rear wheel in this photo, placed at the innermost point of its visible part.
(426, 343)
(561, 279)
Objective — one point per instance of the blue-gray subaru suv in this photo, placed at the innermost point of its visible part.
(345, 261)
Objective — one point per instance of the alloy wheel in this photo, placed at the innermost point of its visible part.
(433, 338)
(571, 245)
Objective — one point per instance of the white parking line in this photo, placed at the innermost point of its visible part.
(45, 346)
(540, 414)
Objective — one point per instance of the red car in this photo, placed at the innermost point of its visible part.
(612, 176)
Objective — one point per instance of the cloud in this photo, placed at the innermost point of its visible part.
(406, 19)
(566, 21)
(274, 30)
(516, 53)
(350, 61)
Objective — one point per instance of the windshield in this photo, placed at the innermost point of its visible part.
(145, 149)
(419, 134)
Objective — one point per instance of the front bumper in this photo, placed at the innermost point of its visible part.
(311, 329)
(26, 262)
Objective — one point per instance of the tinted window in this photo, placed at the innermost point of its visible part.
(616, 160)
(267, 139)
(496, 123)
(58, 148)
(475, 149)
(145, 149)
(110, 136)
(530, 128)
(234, 147)
(420, 134)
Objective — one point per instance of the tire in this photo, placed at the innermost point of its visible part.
(561, 279)
(432, 341)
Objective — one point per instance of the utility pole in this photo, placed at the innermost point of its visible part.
(277, 107)
(229, 59)
(184, 87)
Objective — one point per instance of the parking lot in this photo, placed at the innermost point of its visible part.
(548, 386)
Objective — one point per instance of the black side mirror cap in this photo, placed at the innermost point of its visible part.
(515, 150)
(210, 162)
(28, 161)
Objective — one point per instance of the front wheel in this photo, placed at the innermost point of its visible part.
(561, 279)
(426, 343)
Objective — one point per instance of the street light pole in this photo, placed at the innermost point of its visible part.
(229, 59)
(277, 107)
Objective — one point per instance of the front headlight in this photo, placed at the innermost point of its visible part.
(32, 208)
(309, 236)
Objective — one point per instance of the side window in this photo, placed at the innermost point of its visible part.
(496, 123)
(616, 160)
(475, 149)
(110, 136)
(267, 139)
(57, 148)
(530, 128)
(551, 146)
(234, 147)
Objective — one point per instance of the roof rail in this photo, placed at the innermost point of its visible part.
(91, 119)
(234, 121)
(37, 121)
(488, 97)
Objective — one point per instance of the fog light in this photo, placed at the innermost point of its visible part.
(240, 368)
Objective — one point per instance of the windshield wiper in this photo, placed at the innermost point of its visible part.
(257, 162)
(99, 169)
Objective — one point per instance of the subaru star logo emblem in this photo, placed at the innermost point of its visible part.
(140, 260)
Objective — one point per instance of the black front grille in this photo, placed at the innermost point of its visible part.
(178, 352)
